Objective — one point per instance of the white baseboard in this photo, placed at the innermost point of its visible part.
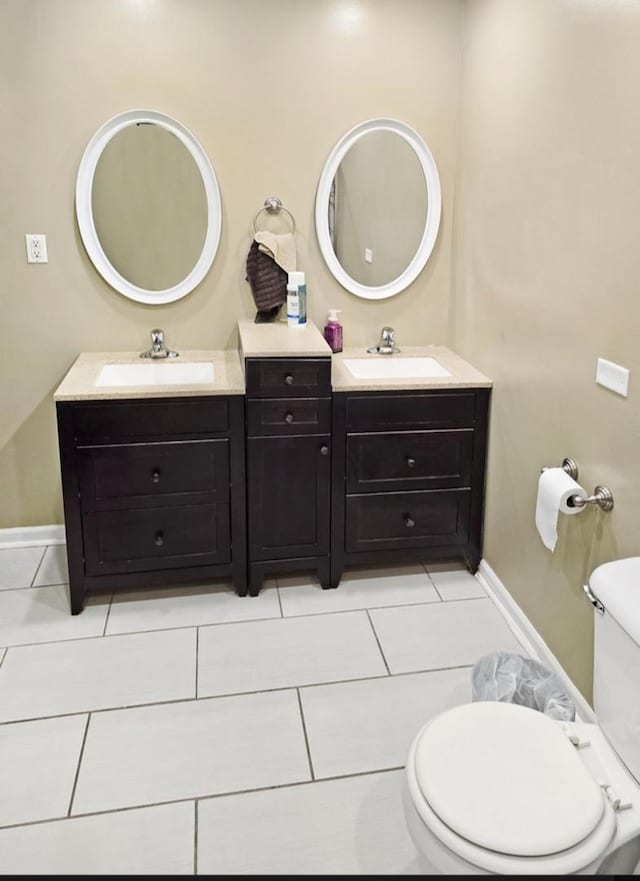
(529, 636)
(31, 536)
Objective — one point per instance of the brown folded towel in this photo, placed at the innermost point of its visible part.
(268, 283)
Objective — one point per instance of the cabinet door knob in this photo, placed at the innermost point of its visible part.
(155, 475)
(288, 418)
(159, 539)
(411, 462)
(324, 450)
(288, 379)
(409, 522)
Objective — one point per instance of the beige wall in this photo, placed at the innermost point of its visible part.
(267, 87)
(546, 272)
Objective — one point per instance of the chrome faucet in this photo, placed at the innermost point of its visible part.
(386, 344)
(158, 349)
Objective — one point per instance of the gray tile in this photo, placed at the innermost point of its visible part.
(450, 634)
(261, 655)
(93, 674)
(41, 614)
(151, 841)
(187, 607)
(455, 584)
(175, 751)
(354, 826)
(38, 763)
(53, 569)
(358, 589)
(355, 727)
(18, 566)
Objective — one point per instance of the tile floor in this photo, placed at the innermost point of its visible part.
(193, 731)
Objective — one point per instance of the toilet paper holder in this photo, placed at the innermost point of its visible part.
(602, 495)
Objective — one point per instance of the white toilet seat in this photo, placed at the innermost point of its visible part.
(555, 820)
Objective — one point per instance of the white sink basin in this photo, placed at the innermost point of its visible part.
(392, 367)
(157, 373)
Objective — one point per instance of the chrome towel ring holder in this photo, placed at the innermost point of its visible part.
(274, 206)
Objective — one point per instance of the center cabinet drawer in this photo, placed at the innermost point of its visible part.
(288, 377)
(384, 521)
(269, 416)
(156, 538)
(144, 475)
(411, 460)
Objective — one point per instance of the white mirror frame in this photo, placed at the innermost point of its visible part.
(434, 208)
(84, 213)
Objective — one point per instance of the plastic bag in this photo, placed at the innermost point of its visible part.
(515, 679)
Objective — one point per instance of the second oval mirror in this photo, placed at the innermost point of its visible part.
(378, 208)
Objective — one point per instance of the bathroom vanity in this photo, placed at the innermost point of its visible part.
(152, 475)
(280, 457)
(408, 461)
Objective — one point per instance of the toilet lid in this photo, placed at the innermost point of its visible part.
(506, 778)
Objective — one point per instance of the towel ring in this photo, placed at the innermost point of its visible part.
(274, 206)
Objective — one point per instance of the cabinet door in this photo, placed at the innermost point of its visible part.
(289, 493)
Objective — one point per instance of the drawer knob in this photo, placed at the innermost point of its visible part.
(409, 522)
(288, 379)
(288, 418)
(155, 475)
(411, 462)
(159, 539)
(324, 450)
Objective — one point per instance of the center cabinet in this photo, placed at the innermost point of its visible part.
(288, 466)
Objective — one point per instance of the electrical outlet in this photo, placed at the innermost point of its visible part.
(36, 248)
(368, 255)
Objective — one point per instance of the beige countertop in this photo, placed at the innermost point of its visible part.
(463, 375)
(277, 339)
(79, 382)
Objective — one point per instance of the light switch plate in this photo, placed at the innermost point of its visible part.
(613, 376)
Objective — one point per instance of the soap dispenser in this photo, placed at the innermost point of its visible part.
(333, 331)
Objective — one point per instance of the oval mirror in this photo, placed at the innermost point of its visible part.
(378, 206)
(148, 206)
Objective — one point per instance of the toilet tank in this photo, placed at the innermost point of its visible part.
(616, 661)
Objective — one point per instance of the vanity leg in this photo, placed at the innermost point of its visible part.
(337, 568)
(472, 559)
(324, 573)
(256, 578)
(76, 598)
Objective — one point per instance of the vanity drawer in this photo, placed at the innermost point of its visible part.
(149, 419)
(288, 377)
(156, 538)
(384, 521)
(145, 474)
(410, 460)
(376, 412)
(269, 416)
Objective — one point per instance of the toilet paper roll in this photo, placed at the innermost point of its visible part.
(555, 487)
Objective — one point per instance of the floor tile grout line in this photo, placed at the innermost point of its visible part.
(3, 656)
(279, 598)
(195, 836)
(197, 657)
(375, 635)
(39, 566)
(77, 774)
(306, 736)
(235, 694)
(106, 619)
(207, 797)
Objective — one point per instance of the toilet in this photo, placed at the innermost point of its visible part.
(497, 788)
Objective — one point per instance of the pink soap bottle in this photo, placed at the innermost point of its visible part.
(333, 331)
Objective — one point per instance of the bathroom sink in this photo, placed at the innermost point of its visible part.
(392, 367)
(156, 373)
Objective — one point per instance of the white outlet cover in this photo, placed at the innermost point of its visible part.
(36, 247)
(613, 377)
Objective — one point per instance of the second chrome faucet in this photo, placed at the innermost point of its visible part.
(386, 344)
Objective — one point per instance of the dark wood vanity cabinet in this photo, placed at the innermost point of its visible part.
(408, 476)
(153, 492)
(288, 466)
